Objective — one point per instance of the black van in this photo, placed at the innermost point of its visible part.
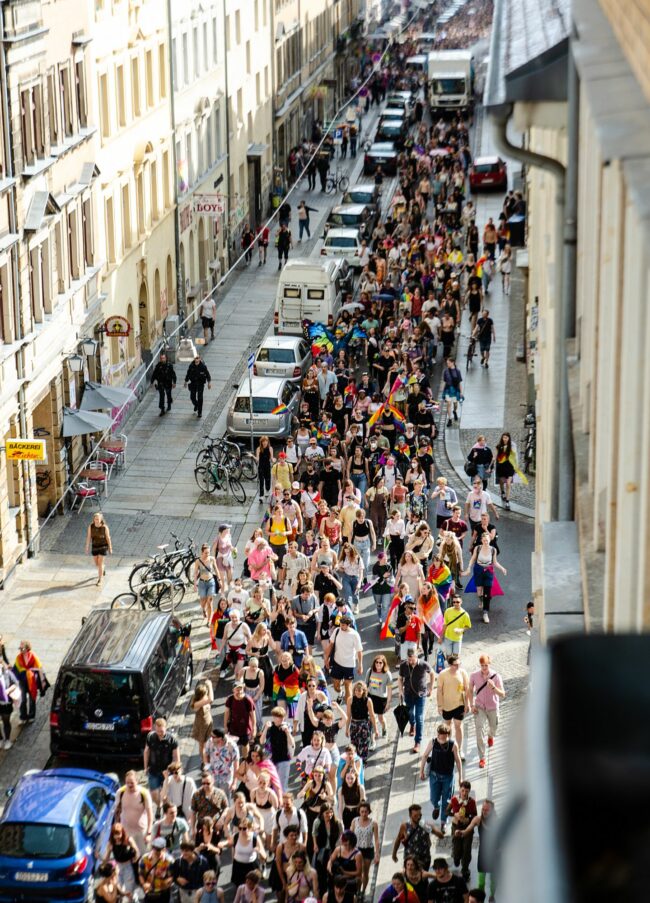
(123, 670)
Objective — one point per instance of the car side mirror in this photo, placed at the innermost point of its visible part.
(9, 792)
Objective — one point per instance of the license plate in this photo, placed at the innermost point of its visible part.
(32, 876)
(380, 160)
(487, 181)
(98, 726)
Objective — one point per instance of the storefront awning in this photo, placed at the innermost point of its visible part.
(79, 423)
(97, 397)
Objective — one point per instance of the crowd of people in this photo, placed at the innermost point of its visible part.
(469, 25)
(352, 506)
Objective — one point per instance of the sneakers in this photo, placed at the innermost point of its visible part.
(481, 763)
(7, 744)
(490, 742)
(507, 505)
(412, 731)
(486, 618)
(436, 813)
(449, 422)
(455, 414)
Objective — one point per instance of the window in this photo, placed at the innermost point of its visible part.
(135, 86)
(206, 54)
(257, 14)
(209, 137)
(257, 88)
(110, 230)
(227, 29)
(139, 187)
(264, 13)
(87, 232)
(61, 272)
(248, 57)
(66, 100)
(80, 89)
(240, 105)
(53, 110)
(218, 135)
(165, 178)
(73, 243)
(36, 284)
(191, 175)
(87, 819)
(126, 217)
(97, 799)
(266, 81)
(186, 61)
(215, 41)
(6, 326)
(32, 124)
(155, 202)
(121, 95)
(237, 27)
(148, 76)
(174, 66)
(195, 50)
(162, 69)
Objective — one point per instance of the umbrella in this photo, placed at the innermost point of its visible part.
(352, 306)
(78, 423)
(383, 296)
(97, 396)
(438, 152)
(401, 713)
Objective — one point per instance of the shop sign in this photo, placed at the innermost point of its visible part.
(26, 450)
(210, 204)
(117, 326)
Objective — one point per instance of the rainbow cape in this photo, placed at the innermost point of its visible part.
(281, 408)
(27, 663)
(288, 689)
(441, 579)
(496, 587)
(398, 417)
(324, 434)
(431, 613)
(386, 633)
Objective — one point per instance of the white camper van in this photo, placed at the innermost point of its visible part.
(310, 290)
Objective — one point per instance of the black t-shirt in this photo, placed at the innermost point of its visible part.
(452, 891)
(484, 329)
(277, 739)
(324, 584)
(330, 480)
(161, 752)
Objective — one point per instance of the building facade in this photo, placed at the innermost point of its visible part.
(50, 253)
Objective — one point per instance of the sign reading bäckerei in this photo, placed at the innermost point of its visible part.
(26, 450)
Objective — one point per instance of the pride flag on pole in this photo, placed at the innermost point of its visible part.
(431, 613)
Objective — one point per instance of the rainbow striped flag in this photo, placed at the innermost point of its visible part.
(386, 633)
(431, 613)
(441, 579)
(281, 409)
(289, 689)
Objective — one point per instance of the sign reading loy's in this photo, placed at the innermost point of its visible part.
(26, 450)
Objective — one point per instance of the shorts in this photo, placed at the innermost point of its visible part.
(206, 588)
(451, 392)
(378, 704)
(155, 780)
(456, 714)
(485, 346)
(368, 853)
(99, 550)
(340, 673)
(207, 322)
(235, 654)
(280, 551)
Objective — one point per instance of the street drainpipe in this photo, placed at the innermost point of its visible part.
(562, 480)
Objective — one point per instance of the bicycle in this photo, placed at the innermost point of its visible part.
(229, 454)
(43, 479)
(161, 595)
(153, 569)
(471, 351)
(215, 476)
(338, 182)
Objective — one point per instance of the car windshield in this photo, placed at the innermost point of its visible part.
(449, 86)
(276, 355)
(486, 167)
(260, 405)
(341, 243)
(347, 219)
(359, 197)
(104, 689)
(391, 128)
(28, 841)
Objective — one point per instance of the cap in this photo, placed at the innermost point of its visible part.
(239, 683)
(408, 597)
(295, 485)
(282, 455)
(159, 843)
(225, 526)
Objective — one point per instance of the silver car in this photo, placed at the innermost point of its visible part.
(269, 393)
(288, 357)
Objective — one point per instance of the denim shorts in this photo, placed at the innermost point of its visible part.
(206, 588)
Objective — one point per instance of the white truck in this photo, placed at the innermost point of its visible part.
(451, 80)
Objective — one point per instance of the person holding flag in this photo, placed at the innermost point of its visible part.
(430, 613)
(31, 678)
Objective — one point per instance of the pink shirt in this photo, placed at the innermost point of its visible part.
(487, 699)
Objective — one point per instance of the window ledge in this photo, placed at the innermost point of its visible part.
(6, 184)
(8, 240)
(28, 35)
(15, 511)
(40, 166)
(72, 142)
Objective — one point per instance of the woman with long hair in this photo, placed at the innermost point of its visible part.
(352, 572)
(285, 684)
(367, 831)
(483, 562)
(258, 646)
(350, 796)
(421, 544)
(253, 677)
(224, 551)
(266, 799)
(396, 533)
(362, 724)
(124, 851)
(410, 572)
(357, 470)
(506, 467)
(364, 538)
(450, 552)
(377, 499)
(265, 460)
(98, 543)
(205, 580)
(379, 681)
(201, 705)
(302, 880)
(282, 857)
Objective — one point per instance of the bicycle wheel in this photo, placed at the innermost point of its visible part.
(236, 489)
(139, 576)
(330, 185)
(344, 183)
(167, 597)
(234, 466)
(204, 479)
(204, 458)
(124, 601)
(249, 466)
(219, 475)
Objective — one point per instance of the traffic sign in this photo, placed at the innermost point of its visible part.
(251, 361)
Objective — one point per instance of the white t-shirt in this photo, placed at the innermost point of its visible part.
(209, 308)
(238, 597)
(309, 757)
(478, 505)
(348, 643)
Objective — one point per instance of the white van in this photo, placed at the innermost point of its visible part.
(310, 290)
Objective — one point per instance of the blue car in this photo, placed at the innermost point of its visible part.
(54, 833)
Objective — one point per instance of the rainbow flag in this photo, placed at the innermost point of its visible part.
(28, 663)
(372, 420)
(386, 633)
(325, 434)
(281, 409)
(441, 579)
(288, 689)
(431, 613)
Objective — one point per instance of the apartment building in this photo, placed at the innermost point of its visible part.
(247, 37)
(581, 95)
(131, 82)
(50, 253)
(199, 114)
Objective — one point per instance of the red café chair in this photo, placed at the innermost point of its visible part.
(97, 472)
(81, 493)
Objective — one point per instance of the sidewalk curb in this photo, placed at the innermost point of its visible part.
(457, 460)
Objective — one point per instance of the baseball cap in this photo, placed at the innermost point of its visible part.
(239, 683)
(295, 485)
(408, 597)
(159, 843)
(225, 526)
(282, 455)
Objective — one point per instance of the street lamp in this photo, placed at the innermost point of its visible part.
(89, 347)
(76, 363)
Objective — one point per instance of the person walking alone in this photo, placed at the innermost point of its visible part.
(164, 380)
(196, 377)
(98, 543)
(485, 694)
(283, 244)
(208, 317)
(303, 219)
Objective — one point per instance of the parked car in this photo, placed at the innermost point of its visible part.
(488, 172)
(381, 153)
(312, 289)
(269, 393)
(343, 242)
(392, 128)
(359, 216)
(363, 193)
(123, 670)
(288, 357)
(54, 832)
(401, 101)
